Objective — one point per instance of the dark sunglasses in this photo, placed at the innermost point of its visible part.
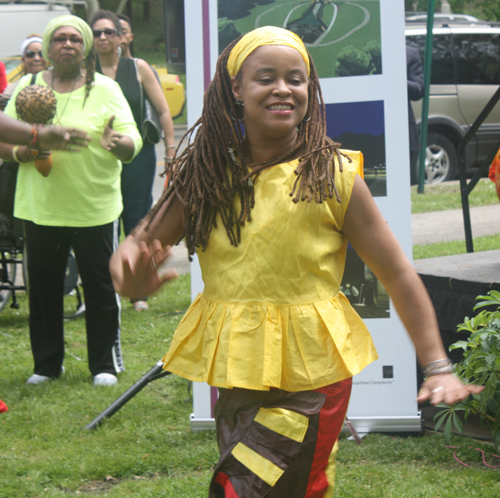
(31, 54)
(108, 32)
(61, 40)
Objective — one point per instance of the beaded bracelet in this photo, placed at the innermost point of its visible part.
(436, 367)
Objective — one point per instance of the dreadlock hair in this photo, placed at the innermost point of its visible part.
(89, 65)
(211, 173)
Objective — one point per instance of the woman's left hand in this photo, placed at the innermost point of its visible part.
(135, 267)
(110, 137)
(446, 388)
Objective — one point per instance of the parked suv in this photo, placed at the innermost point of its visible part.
(465, 74)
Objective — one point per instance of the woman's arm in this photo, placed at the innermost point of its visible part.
(155, 95)
(49, 137)
(121, 146)
(134, 264)
(371, 237)
(22, 153)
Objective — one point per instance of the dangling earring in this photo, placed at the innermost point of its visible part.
(119, 51)
(239, 104)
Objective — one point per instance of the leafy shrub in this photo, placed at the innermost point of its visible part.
(480, 365)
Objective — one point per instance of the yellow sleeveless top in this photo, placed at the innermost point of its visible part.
(271, 313)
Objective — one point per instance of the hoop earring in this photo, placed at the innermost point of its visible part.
(239, 104)
(307, 120)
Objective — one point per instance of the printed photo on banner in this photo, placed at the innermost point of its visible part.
(342, 37)
(363, 289)
(361, 126)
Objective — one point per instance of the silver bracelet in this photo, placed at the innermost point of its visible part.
(436, 367)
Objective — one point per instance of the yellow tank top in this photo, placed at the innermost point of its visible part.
(271, 313)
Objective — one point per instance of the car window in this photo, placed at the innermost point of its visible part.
(443, 69)
(478, 58)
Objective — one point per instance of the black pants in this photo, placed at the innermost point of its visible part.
(137, 180)
(47, 253)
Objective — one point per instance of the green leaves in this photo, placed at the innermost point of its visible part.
(449, 414)
(481, 365)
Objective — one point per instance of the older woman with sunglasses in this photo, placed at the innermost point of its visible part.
(137, 80)
(32, 57)
(77, 205)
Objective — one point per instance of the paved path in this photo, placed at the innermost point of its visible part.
(446, 226)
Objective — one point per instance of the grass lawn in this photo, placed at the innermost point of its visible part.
(147, 448)
(443, 196)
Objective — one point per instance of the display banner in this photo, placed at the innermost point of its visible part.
(359, 51)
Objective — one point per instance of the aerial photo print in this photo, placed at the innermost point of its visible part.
(343, 37)
(360, 126)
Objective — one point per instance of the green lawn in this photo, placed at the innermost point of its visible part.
(147, 448)
(443, 196)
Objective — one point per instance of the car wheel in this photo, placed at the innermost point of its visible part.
(440, 159)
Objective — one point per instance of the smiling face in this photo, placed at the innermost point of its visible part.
(106, 44)
(66, 48)
(32, 58)
(273, 85)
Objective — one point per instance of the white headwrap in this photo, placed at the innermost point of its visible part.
(27, 42)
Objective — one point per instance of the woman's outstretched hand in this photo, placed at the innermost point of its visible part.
(60, 138)
(110, 137)
(446, 388)
(135, 268)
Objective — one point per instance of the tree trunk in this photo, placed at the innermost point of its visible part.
(147, 10)
(121, 6)
(91, 7)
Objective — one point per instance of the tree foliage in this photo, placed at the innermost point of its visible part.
(354, 62)
(488, 10)
(227, 33)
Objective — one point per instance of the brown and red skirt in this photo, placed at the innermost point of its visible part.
(277, 443)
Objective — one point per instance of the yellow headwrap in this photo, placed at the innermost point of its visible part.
(267, 35)
(74, 22)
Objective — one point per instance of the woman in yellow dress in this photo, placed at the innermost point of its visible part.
(269, 210)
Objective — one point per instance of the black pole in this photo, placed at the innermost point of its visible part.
(425, 101)
(155, 373)
(469, 244)
(466, 189)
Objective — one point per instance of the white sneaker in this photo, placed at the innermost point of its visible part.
(37, 379)
(40, 379)
(105, 379)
